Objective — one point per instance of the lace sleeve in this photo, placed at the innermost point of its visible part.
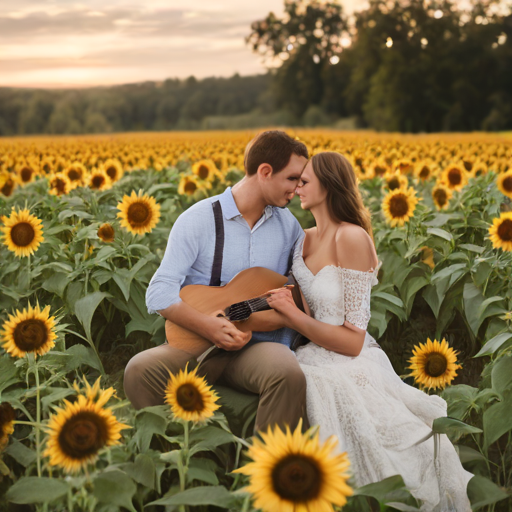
(357, 290)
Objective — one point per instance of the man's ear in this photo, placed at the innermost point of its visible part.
(264, 171)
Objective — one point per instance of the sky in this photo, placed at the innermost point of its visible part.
(61, 43)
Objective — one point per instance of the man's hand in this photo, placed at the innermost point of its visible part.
(223, 334)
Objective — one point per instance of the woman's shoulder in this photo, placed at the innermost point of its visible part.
(354, 248)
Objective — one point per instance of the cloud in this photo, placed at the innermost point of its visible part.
(60, 42)
(123, 22)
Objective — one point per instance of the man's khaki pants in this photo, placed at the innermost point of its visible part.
(267, 369)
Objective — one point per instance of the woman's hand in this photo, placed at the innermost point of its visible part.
(281, 301)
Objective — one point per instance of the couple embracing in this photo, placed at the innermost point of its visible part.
(337, 376)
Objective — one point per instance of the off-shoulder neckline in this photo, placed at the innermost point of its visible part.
(372, 270)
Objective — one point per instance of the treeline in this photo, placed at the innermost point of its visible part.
(410, 66)
(169, 105)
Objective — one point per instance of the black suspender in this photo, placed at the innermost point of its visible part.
(219, 244)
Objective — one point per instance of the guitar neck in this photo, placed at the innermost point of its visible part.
(258, 304)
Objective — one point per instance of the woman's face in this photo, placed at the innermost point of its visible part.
(309, 189)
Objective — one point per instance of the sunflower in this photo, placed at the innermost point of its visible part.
(404, 166)
(59, 184)
(380, 168)
(99, 180)
(501, 232)
(394, 181)
(7, 417)
(189, 185)
(114, 169)
(424, 171)
(139, 214)
(106, 232)
(293, 472)
(76, 173)
(22, 232)
(399, 205)
(504, 182)
(7, 183)
(455, 177)
(190, 397)
(47, 165)
(434, 364)
(441, 196)
(205, 170)
(79, 430)
(26, 173)
(29, 331)
(479, 169)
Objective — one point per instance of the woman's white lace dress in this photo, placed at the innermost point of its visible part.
(377, 418)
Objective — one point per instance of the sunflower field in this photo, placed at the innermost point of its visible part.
(84, 225)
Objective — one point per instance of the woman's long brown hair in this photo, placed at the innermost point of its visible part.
(344, 201)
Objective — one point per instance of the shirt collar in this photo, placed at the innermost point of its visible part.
(229, 208)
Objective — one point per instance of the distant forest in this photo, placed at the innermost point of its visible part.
(414, 66)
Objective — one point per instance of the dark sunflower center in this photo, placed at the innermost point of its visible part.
(106, 232)
(8, 188)
(398, 206)
(379, 170)
(189, 398)
(507, 183)
(297, 478)
(46, 167)
(82, 435)
(74, 175)
(505, 230)
(436, 365)
(468, 165)
(112, 172)
(26, 174)
(7, 414)
(393, 183)
(60, 185)
(203, 172)
(454, 177)
(425, 171)
(190, 187)
(138, 213)
(22, 234)
(440, 197)
(98, 181)
(31, 334)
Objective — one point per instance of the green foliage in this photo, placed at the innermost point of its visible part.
(97, 292)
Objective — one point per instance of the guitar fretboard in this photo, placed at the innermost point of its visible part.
(241, 311)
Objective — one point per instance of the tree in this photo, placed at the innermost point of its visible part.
(306, 39)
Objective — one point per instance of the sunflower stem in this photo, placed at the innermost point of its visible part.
(28, 271)
(31, 423)
(38, 420)
(183, 463)
(247, 501)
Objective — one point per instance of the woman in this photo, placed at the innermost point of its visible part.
(352, 389)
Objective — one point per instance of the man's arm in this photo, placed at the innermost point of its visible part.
(163, 293)
(221, 332)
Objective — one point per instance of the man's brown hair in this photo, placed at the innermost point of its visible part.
(272, 147)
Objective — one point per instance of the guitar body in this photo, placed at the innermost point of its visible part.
(247, 284)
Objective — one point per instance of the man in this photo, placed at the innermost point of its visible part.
(258, 231)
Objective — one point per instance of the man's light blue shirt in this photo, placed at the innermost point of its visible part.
(188, 258)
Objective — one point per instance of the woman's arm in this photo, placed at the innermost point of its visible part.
(354, 250)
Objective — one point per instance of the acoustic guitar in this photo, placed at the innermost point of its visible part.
(244, 295)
